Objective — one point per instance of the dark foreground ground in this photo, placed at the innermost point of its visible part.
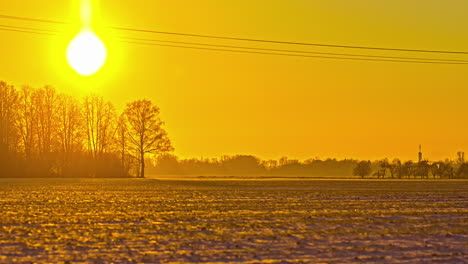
(153, 221)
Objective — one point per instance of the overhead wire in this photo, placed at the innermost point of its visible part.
(297, 55)
(290, 42)
(244, 49)
(33, 19)
(29, 28)
(248, 39)
(362, 58)
(3, 28)
(288, 50)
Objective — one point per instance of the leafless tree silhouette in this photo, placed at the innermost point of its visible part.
(144, 131)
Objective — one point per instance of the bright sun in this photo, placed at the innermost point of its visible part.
(86, 53)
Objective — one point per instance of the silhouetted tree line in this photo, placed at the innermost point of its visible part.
(250, 166)
(44, 133)
(424, 169)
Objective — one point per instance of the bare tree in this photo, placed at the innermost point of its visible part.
(423, 168)
(462, 172)
(383, 165)
(396, 169)
(9, 100)
(408, 169)
(362, 169)
(144, 131)
(46, 100)
(70, 128)
(121, 140)
(26, 122)
(99, 117)
(442, 169)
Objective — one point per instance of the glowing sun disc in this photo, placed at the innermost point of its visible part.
(86, 53)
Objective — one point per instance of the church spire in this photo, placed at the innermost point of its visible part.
(420, 155)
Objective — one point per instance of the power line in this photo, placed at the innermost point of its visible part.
(295, 55)
(251, 39)
(363, 58)
(33, 19)
(29, 28)
(290, 51)
(291, 43)
(26, 31)
(138, 41)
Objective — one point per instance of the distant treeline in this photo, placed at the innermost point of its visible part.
(245, 165)
(250, 166)
(44, 133)
(424, 169)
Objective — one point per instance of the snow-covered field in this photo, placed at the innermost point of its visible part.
(251, 221)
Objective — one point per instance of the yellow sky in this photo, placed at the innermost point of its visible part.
(217, 103)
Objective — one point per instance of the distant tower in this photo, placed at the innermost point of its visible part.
(420, 156)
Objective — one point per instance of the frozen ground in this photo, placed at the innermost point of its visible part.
(290, 221)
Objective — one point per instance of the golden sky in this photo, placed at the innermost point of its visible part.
(218, 103)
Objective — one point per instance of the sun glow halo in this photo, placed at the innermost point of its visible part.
(86, 53)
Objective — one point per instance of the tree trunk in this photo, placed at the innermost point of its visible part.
(142, 164)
